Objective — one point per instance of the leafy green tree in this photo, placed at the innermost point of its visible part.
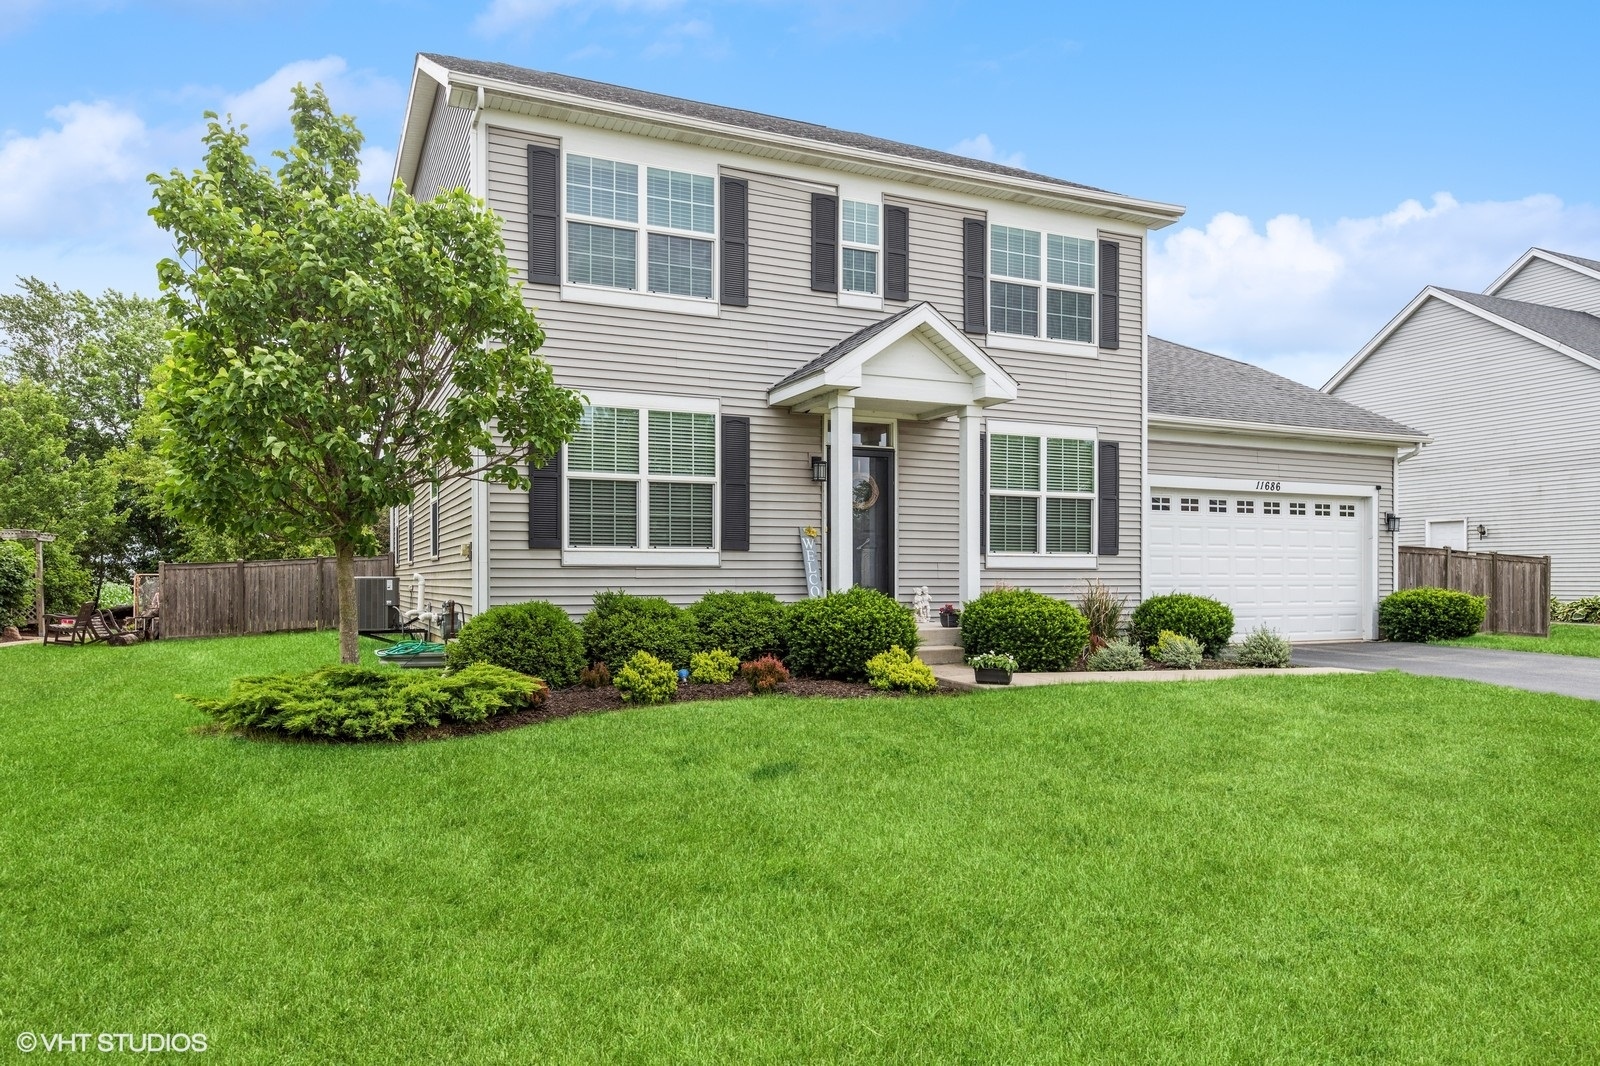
(41, 486)
(334, 354)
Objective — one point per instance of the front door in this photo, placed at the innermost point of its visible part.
(872, 490)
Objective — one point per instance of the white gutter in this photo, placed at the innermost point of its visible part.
(1275, 429)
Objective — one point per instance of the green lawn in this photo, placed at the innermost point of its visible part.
(1563, 640)
(1313, 869)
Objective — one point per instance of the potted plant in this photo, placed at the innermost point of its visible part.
(992, 668)
(949, 616)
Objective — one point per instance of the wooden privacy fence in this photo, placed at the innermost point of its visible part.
(1516, 586)
(260, 596)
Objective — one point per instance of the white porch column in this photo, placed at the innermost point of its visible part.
(841, 492)
(970, 533)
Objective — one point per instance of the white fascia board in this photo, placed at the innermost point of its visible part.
(568, 107)
(1224, 426)
(1472, 309)
(1538, 253)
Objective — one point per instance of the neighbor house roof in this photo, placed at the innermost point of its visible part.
(1189, 384)
(602, 96)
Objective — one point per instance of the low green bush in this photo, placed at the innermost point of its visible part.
(1175, 649)
(357, 703)
(1039, 632)
(1264, 649)
(835, 635)
(1198, 617)
(537, 639)
(646, 679)
(1424, 614)
(714, 667)
(16, 583)
(898, 670)
(747, 625)
(621, 624)
(1117, 655)
(1584, 609)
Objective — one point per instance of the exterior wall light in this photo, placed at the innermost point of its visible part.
(1483, 531)
(819, 468)
(1391, 522)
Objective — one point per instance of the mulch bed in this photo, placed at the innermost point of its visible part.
(569, 702)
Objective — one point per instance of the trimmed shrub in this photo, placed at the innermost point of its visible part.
(1421, 615)
(1198, 617)
(1263, 649)
(765, 674)
(620, 625)
(1102, 609)
(747, 625)
(596, 676)
(646, 679)
(1039, 632)
(1586, 609)
(835, 635)
(1117, 655)
(1175, 649)
(357, 703)
(537, 639)
(896, 669)
(715, 667)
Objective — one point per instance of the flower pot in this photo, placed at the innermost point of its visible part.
(991, 677)
(950, 619)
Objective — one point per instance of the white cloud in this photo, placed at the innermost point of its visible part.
(981, 147)
(59, 179)
(1301, 299)
(503, 15)
(265, 105)
(696, 34)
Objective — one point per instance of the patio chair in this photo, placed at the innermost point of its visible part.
(76, 630)
(108, 627)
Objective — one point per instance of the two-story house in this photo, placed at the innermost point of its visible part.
(909, 367)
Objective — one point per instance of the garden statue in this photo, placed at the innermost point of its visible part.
(922, 604)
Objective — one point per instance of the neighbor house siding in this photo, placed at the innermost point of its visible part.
(1173, 460)
(1543, 282)
(1515, 448)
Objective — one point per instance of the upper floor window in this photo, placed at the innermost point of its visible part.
(1024, 261)
(859, 238)
(677, 203)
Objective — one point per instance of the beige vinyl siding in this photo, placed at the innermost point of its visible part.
(446, 161)
(449, 575)
(738, 355)
(1171, 461)
(1515, 444)
(1543, 282)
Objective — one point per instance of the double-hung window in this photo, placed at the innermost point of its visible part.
(1022, 262)
(643, 477)
(859, 239)
(605, 230)
(1041, 493)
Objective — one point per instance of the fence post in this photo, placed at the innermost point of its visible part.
(239, 614)
(1447, 567)
(1494, 613)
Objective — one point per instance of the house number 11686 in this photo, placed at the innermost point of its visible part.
(1269, 486)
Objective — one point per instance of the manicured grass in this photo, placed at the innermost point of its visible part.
(1563, 640)
(1311, 869)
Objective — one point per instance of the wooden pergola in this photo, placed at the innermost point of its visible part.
(40, 539)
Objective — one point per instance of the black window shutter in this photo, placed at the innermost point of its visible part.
(544, 215)
(1110, 311)
(974, 261)
(1109, 477)
(735, 483)
(824, 242)
(544, 504)
(735, 242)
(983, 493)
(896, 252)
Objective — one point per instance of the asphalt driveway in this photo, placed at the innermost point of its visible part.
(1565, 675)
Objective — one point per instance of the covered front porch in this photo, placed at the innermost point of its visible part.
(880, 391)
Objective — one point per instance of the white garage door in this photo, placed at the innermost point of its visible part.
(1296, 564)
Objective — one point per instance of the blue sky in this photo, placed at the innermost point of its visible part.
(1333, 158)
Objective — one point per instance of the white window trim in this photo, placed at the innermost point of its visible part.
(872, 301)
(1041, 342)
(1041, 559)
(640, 295)
(645, 555)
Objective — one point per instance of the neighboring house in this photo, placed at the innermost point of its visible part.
(783, 327)
(1507, 382)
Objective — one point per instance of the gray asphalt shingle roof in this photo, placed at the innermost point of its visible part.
(1188, 383)
(1580, 260)
(1578, 330)
(846, 346)
(733, 116)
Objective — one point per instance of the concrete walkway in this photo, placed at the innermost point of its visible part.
(1564, 675)
(961, 676)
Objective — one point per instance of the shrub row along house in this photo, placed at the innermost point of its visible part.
(939, 365)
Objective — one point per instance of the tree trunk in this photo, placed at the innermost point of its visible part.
(344, 572)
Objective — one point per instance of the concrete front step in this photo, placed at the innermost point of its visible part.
(941, 655)
(937, 636)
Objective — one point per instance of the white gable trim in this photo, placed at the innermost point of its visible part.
(1538, 253)
(990, 382)
(1472, 309)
